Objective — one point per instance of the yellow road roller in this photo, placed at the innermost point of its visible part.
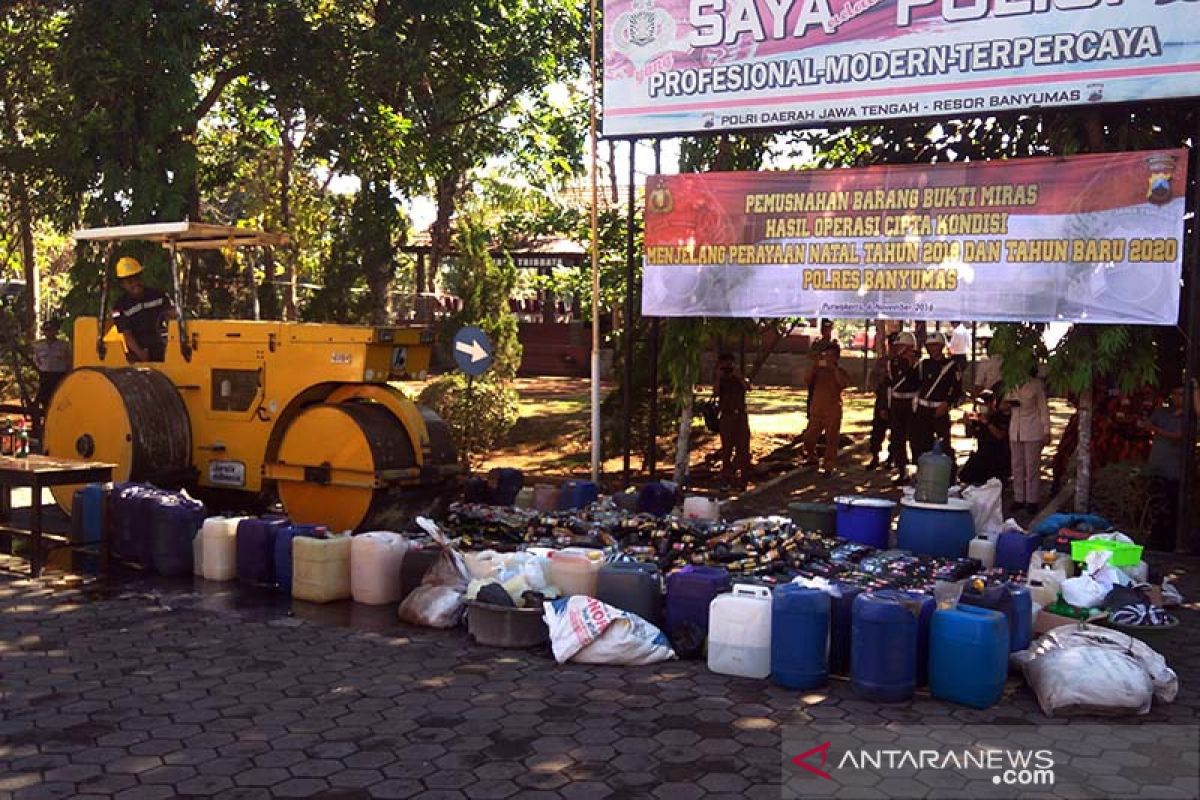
(256, 407)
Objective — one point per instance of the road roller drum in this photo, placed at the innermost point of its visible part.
(344, 458)
(131, 417)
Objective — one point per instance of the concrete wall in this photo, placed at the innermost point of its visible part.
(790, 369)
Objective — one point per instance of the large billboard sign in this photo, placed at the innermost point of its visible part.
(679, 66)
(1095, 238)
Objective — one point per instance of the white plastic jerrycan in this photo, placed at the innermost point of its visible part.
(739, 632)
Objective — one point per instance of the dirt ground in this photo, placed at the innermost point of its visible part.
(551, 442)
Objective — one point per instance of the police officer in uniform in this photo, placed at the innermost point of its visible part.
(733, 423)
(902, 386)
(879, 417)
(941, 388)
(880, 413)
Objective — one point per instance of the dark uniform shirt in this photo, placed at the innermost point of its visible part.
(903, 380)
(940, 382)
(731, 395)
(143, 318)
(992, 457)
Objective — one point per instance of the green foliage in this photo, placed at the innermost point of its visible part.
(479, 413)
(359, 263)
(484, 283)
(18, 375)
(1088, 355)
(244, 112)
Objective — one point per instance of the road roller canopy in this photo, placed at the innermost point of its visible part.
(184, 235)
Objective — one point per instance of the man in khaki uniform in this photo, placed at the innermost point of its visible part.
(827, 380)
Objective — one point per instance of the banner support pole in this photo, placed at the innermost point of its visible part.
(630, 331)
(1185, 525)
(652, 445)
(595, 222)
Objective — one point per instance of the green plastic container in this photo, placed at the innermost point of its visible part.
(814, 517)
(1123, 554)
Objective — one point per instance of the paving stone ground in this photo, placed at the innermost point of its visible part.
(165, 689)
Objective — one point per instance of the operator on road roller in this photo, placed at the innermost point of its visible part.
(140, 313)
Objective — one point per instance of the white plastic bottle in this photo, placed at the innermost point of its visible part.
(375, 567)
(574, 570)
(701, 508)
(739, 632)
(1054, 560)
(984, 549)
(1042, 593)
(219, 548)
(321, 568)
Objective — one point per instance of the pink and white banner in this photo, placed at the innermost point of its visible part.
(1095, 238)
(677, 66)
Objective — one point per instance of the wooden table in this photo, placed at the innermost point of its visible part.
(43, 472)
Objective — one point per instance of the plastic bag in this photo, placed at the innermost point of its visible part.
(1138, 573)
(688, 640)
(1097, 565)
(1170, 595)
(584, 630)
(947, 593)
(1051, 524)
(1089, 680)
(1011, 524)
(448, 570)
(440, 600)
(818, 582)
(1084, 591)
(986, 509)
(814, 583)
(484, 564)
(526, 566)
(1114, 536)
(1162, 677)
(1093, 670)
(434, 606)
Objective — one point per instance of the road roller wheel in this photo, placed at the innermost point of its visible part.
(131, 417)
(349, 453)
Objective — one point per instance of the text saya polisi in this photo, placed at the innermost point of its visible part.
(725, 22)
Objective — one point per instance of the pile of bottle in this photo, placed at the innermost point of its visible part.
(768, 549)
(14, 439)
(669, 541)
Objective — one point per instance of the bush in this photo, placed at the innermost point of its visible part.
(479, 418)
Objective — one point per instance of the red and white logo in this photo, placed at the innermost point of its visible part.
(801, 760)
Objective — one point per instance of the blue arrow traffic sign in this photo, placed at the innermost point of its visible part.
(473, 351)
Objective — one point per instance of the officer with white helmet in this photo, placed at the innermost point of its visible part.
(940, 389)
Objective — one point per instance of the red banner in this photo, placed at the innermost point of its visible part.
(1091, 238)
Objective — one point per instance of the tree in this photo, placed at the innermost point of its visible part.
(263, 127)
(129, 72)
(485, 283)
(358, 266)
(471, 108)
(28, 39)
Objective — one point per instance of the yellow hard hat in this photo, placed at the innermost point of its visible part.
(128, 266)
